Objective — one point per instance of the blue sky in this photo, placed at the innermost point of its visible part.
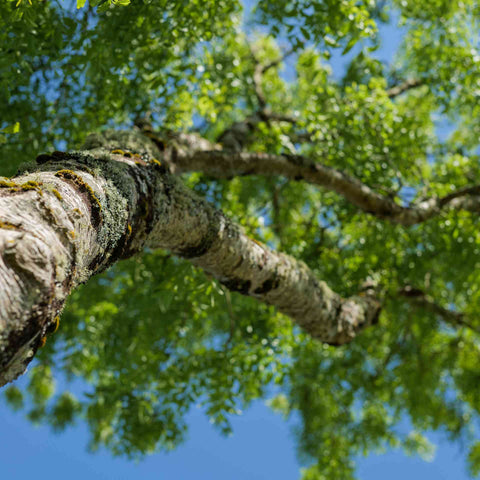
(262, 447)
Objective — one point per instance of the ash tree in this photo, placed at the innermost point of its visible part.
(200, 206)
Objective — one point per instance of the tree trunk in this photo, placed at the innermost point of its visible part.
(72, 215)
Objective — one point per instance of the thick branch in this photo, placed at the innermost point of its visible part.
(222, 164)
(78, 213)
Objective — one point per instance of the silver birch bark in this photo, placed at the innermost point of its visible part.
(72, 215)
(195, 154)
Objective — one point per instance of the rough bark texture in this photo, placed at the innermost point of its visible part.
(73, 214)
(194, 153)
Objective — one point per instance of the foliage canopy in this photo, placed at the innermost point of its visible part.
(153, 336)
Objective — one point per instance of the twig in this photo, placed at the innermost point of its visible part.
(228, 301)
(420, 299)
(404, 86)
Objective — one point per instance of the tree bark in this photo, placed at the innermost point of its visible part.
(210, 159)
(72, 215)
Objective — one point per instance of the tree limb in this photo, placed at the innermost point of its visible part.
(225, 164)
(77, 213)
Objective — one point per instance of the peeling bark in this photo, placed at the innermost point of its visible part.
(74, 214)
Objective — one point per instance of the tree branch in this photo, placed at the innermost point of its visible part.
(237, 136)
(278, 60)
(420, 299)
(78, 213)
(404, 86)
(223, 164)
(260, 70)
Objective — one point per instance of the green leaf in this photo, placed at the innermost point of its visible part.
(349, 45)
(14, 397)
(81, 3)
(103, 7)
(15, 128)
(474, 459)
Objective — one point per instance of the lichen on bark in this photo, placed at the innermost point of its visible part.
(85, 210)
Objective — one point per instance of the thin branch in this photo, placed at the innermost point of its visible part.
(279, 60)
(419, 298)
(278, 117)
(237, 136)
(260, 70)
(277, 226)
(194, 153)
(404, 86)
(231, 316)
(472, 190)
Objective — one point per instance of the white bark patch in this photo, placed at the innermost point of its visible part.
(82, 211)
